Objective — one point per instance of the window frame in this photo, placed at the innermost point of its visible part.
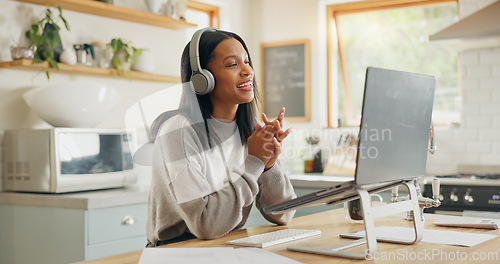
(211, 10)
(355, 7)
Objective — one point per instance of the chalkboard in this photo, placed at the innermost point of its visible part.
(286, 79)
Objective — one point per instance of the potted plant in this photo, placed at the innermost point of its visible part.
(124, 54)
(45, 36)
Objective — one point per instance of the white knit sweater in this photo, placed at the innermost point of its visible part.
(208, 191)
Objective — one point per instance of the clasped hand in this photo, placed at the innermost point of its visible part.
(265, 141)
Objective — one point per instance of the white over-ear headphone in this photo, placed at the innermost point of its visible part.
(203, 80)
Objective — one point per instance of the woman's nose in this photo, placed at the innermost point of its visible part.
(247, 70)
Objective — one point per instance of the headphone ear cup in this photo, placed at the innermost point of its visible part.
(210, 80)
(203, 82)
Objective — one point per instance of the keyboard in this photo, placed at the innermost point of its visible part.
(469, 222)
(274, 238)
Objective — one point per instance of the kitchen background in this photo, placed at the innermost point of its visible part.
(475, 141)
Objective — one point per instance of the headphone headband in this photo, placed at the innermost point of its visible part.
(194, 52)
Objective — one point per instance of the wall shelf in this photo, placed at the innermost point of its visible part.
(106, 10)
(25, 64)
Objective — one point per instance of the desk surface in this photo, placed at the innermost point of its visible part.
(331, 224)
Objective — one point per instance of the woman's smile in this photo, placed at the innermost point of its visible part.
(246, 85)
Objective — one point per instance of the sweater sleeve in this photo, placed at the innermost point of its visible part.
(275, 187)
(218, 213)
(207, 213)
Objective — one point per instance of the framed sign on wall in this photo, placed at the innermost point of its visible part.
(286, 79)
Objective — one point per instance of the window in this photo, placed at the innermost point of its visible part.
(204, 15)
(393, 36)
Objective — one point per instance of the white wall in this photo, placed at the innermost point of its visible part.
(167, 46)
(282, 20)
(257, 21)
(477, 140)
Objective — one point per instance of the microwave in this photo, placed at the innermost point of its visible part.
(60, 160)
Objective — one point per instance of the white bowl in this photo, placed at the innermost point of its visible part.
(73, 104)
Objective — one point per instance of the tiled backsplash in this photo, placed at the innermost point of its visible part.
(477, 141)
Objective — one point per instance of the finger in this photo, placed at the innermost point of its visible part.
(281, 114)
(258, 127)
(269, 130)
(277, 144)
(264, 118)
(284, 135)
(276, 128)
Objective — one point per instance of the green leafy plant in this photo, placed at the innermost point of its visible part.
(45, 36)
(128, 51)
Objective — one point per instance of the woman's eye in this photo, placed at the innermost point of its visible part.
(232, 65)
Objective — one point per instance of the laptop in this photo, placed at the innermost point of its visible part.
(393, 137)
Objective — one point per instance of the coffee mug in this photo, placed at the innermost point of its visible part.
(352, 209)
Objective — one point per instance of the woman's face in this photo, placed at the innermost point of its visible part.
(233, 75)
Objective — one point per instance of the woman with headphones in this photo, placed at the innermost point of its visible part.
(212, 160)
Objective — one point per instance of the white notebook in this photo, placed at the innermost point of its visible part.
(469, 222)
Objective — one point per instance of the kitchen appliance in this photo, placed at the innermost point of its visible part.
(59, 160)
(473, 188)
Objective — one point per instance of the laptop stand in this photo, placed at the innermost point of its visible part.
(369, 214)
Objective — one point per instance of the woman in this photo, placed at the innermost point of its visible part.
(212, 163)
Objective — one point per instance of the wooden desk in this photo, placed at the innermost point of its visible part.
(331, 224)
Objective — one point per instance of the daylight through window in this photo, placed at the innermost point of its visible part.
(395, 37)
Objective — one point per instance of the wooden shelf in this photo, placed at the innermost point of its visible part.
(97, 8)
(25, 64)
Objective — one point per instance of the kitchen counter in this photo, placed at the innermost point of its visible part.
(138, 194)
(79, 200)
(134, 194)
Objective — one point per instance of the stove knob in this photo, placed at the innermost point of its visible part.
(453, 197)
(468, 199)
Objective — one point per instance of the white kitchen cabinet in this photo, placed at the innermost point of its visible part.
(66, 228)
(32, 234)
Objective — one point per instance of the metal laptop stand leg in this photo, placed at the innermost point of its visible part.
(369, 214)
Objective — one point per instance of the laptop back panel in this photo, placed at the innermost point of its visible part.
(393, 139)
(395, 126)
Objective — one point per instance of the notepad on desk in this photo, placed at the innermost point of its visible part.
(445, 237)
(469, 223)
(215, 255)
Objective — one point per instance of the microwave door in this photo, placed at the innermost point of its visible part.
(90, 159)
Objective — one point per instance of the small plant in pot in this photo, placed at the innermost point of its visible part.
(124, 54)
(45, 36)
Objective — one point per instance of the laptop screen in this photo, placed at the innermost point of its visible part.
(395, 126)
